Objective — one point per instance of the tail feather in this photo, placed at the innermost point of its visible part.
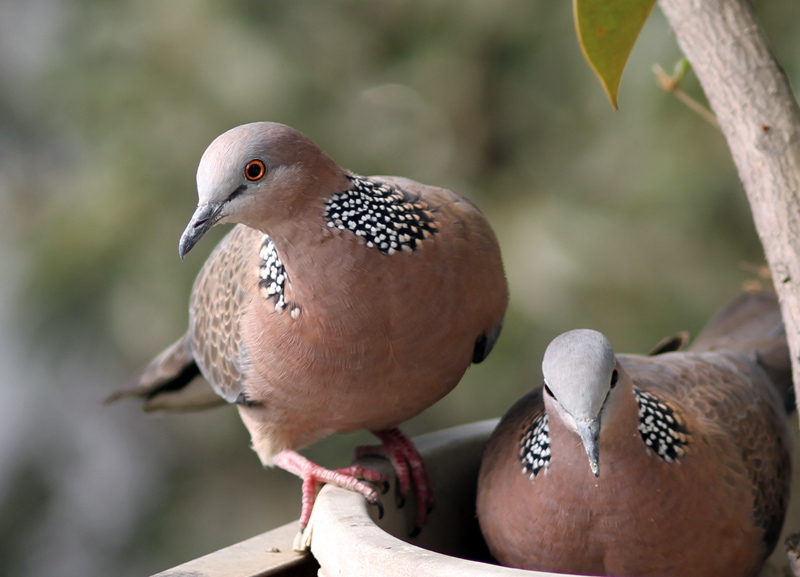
(172, 382)
(752, 325)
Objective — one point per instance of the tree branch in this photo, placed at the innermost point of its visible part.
(758, 114)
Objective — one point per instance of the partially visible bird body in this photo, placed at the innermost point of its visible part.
(339, 303)
(694, 470)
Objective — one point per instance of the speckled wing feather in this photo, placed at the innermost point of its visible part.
(213, 345)
(218, 301)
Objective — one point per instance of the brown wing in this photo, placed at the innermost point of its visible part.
(212, 346)
(219, 299)
(752, 326)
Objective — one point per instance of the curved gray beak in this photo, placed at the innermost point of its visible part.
(589, 431)
(203, 219)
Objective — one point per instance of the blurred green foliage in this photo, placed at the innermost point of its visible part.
(633, 222)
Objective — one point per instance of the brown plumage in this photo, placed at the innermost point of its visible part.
(338, 303)
(707, 496)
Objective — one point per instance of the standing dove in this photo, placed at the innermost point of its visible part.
(673, 465)
(339, 302)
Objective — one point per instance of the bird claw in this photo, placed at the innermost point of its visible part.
(379, 505)
(409, 467)
(369, 476)
(354, 478)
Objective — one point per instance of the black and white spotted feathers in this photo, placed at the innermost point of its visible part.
(272, 277)
(534, 449)
(386, 216)
(659, 427)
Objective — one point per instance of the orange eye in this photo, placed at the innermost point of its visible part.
(255, 170)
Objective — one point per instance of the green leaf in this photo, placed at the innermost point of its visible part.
(607, 30)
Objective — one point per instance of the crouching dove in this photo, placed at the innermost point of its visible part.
(676, 464)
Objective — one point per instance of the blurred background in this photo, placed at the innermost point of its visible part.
(630, 222)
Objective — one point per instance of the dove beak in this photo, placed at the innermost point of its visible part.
(206, 216)
(589, 432)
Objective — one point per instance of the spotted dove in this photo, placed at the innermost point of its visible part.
(339, 302)
(675, 464)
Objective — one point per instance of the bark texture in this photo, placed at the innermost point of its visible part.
(757, 111)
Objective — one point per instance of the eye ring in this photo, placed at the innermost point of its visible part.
(255, 170)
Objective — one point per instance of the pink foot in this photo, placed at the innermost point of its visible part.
(408, 465)
(314, 476)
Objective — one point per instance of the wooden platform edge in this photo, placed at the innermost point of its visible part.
(267, 555)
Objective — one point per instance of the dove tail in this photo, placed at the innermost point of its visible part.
(170, 383)
(752, 325)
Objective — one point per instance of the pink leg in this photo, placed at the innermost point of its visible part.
(314, 476)
(408, 465)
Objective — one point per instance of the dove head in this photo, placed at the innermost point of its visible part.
(255, 174)
(580, 370)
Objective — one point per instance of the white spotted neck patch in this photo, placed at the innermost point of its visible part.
(534, 447)
(272, 278)
(384, 215)
(661, 427)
